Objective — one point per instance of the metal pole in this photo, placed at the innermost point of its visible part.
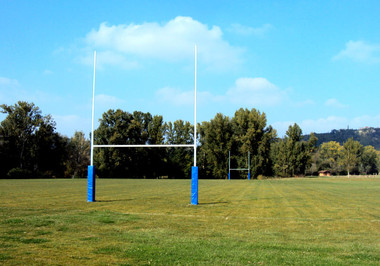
(194, 169)
(91, 168)
(249, 172)
(229, 165)
(93, 110)
(195, 110)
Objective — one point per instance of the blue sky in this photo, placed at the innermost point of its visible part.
(315, 63)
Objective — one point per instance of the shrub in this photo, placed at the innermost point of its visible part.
(261, 177)
(19, 173)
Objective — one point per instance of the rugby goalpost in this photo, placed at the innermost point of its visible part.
(194, 169)
(238, 169)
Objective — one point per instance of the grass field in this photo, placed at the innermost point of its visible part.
(289, 221)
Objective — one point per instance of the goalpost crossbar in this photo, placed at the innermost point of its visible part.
(238, 169)
(194, 168)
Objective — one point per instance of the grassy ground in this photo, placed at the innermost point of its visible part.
(271, 222)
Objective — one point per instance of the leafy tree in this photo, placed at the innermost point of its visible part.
(79, 156)
(293, 149)
(251, 134)
(179, 159)
(216, 141)
(245, 132)
(292, 155)
(50, 150)
(351, 153)
(17, 129)
(313, 140)
(31, 145)
(157, 157)
(368, 161)
(279, 158)
(329, 156)
(312, 168)
(119, 127)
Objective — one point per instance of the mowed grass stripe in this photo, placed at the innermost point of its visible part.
(288, 221)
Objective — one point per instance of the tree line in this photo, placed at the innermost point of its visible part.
(31, 147)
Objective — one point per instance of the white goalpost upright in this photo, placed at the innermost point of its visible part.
(194, 169)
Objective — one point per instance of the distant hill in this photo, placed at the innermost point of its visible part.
(366, 136)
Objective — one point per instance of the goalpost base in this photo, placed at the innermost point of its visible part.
(194, 185)
(91, 183)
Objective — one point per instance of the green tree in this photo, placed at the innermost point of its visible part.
(351, 153)
(216, 141)
(157, 157)
(17, 129)
(298, 151)
(292, 156)
(246, 132)
(50, 149)
(368, 161)
(119, 127)
(312, 168)
(180, 160)
(279, 158)
(329, 154)
(251, 134)
(79, 155)
(30, 144)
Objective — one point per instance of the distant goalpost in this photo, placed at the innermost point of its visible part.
(194, 169)
(238, 169)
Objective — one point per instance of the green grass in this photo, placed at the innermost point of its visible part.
(315, 221)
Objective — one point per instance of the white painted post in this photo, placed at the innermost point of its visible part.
(93, 110)
(195, 110)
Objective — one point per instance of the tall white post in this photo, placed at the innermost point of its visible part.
(93, 110)
(195, 110)
(194, 169)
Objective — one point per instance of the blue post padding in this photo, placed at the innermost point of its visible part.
(91, 183)
(229, 176)
(194, 185)
(249, 176)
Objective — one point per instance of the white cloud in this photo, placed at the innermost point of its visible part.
(304, 103)
(68, 124)
(281, 127)
(47, 72)
(103, 101)
(360, 51)
(173, 41)
(8, 82)
(247, 91)
(323, 125)
(365, 120)
(104, 58)
(246, 31)
(255, 91)
(334, 103)
(177, 97)
(107, 99)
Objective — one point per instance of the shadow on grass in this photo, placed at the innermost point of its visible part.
(213, 203)
(113, 200)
